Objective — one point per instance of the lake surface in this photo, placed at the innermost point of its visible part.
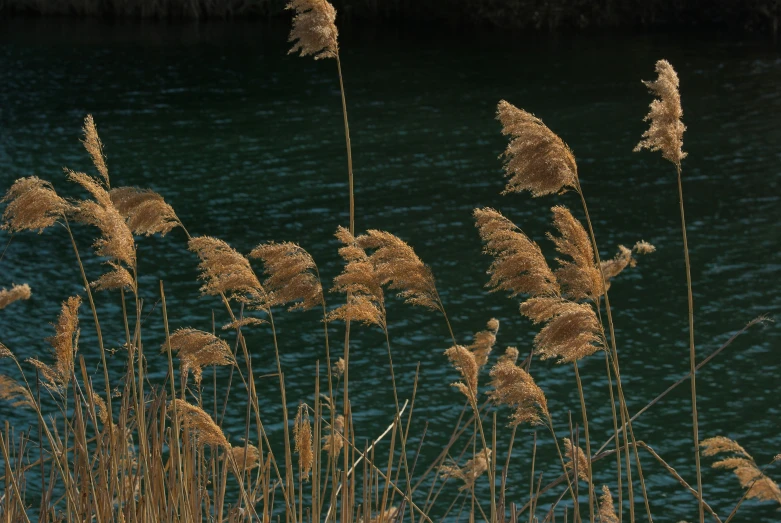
(247, 144)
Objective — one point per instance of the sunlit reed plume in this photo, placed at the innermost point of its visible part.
(290, 275)
(339, 367)
(146, 212)
(117, 278)
(484, 341)
(464, 362)
(100, 407)
(94, 147)
(32, 204)
(333, 441)
(572, 454)
(536, 159)
(397, 266)
(314, 31)
(226, 271)
(665, 133)
(5, 352)
(360, 281)
(65, 343)
(579, 277)
(624, 259)
(758, 485)
(607, 511)
(518, 266)
(13, 392)
(513, 386)
(243, 322)
(15, 293)
(196, 420)
(643, 247)
(510, 355)
(389, 516)
(302, 434)
(198, 349)
(469, 473)
(571, 332)
(246, 458)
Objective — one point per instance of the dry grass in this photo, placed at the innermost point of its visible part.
(157, 452)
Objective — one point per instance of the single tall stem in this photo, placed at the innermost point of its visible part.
(588, 443)
(692, 352)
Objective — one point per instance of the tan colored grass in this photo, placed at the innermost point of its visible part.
(314, 31)
(15, 293)
(510, 355)
(94, 147)
(16, 394)
(65, 344)
(302, 434)
(571, 331)
(607, 511)
(721, 444)
(571, 453)
(32, 204)
(511, 385)
(464, 362)
(197, 349)
(757, 484)
(519, 266)
(472, 469)
(146, 211)
(333, 440)
(203, 427)
(578, 275)
(290, 275)
(665, 132)
(484, 341)
(246, 458)
(226, 271)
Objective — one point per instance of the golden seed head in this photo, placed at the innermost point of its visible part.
(339, 367)
(198, 421)
(511, 385)
(246, 458)
(290, 275)
(607, 511)
(484, 342)
(471, 470)
(65, 344)
(32, 204)
(15, 293)
(464, 362)
(94, 147)
(145, 211)
(333, 441)
(198, 349)
(11, 390)
(571, 332)
(579, 277)
(576, 458)
(226, 271)
(314, 31)
(302, 433)
(665, 132)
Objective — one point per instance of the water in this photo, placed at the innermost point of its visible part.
(247, 144)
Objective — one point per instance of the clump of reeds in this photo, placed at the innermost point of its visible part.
(753, 479)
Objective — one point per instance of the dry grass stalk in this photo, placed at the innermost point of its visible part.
(11, 390)
(665, 133)
(472, 470)
(515, 387)
(16, 293)
(464, 362)
(536, 159)
(302, 433)
(94, 147)
(65, 344)
(758, 485)
(607, 511)
(146, 212)
(197, 349)
(243, 322)
(226, 271)
(519, 266)
(580, 277)
(484, 342)
(361, 282)
(571, 332)
(205, 430)
(333, 441)
(289, 275)
(32, 204)
(572, 454)
(246, 458)
(397, 266)
(314, 31)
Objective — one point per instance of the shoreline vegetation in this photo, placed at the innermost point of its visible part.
(760, 17)
(127, 448)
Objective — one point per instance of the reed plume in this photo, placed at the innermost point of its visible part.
(145, 211)
(226, 271)
(571, 331)
(510, 354)
(361, 282)
(665, 132)
(15, 293)
(339, 367)
(302, 433)
(32, 204)
(117, 278)
(536, 159)
(572, 453)
(484, 341)
(579, 277)
(472, 470)
(515, 387)
(624, 258)
(12, 391)
(464, 362)
(721, 444)
(5, 352)
(607, 511)
(203, 427)
(246, 458)
(100, 407)
(94, 147)
(314, 31)
(290, 275)
(333, 441)
(243, 322)
(197, 349)
(65, 344)
(757, 484)
(518, 266)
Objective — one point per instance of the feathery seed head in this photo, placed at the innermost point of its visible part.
(333, 441)
(290, 276)
(117, 278)
(720, 444)
(11, 390)
(515, 387)
(32, 204)
(579, 277)
(339, 367)
(243, 322)
(246, 458)
(510, 355)
(464, 362)
(203, 427)
(573, 454)
(469, 473)
(571, 332)
(536, 159)
(519, 266)
(146, 211)
(643, 247)
(665, 132)
(758, 485)
(314, 31)
(198, 349)
(607, 511)
(484, 342)
(302, 433)
(94, 147)
(16, 293)
(226, 271)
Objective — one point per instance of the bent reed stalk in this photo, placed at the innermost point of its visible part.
(154, 453)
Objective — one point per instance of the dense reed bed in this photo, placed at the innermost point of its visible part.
(140, 449)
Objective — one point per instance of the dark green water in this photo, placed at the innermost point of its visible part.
(247, 144)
